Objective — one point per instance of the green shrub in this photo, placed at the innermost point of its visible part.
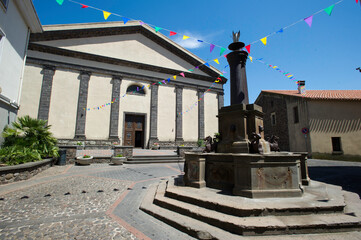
(86, 156)
(119, 155)
(200, 143)
(17, 155)
(28, 138)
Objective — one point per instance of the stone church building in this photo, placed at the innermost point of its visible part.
(104, 83)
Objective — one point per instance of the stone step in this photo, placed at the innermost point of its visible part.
(262, 225)
(153, 161)
(160, 157)
(311, 203)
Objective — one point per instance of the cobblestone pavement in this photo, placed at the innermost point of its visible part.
(99, 201)
(102, 201)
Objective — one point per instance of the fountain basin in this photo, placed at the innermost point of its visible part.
(249, 175)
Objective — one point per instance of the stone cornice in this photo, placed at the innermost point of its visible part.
(41, 62)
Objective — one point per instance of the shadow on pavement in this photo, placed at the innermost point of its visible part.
(349, 178)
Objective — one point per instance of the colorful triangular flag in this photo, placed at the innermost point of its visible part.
(207, 64)
(200, 40)
(329, 9)
(251, 58)
(211, 47)
(60, 2)
(168, 79)
(248, 48)
(182, 74)
(280, 31)
(222, 51)
(172, 33)
(141, 23)
(106, 14)
(308, 20)
(174, 77)
(216, 60)
(185, 37)
(84, 6)
(125, 20)
(264, 40)
(157, 29)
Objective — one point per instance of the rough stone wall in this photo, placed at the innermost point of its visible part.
(276, 104)
(19, 173)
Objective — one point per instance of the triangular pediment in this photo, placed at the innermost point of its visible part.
(133, 42)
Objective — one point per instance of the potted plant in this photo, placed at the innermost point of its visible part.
(155, 146)
(118, 159)
(84, 160)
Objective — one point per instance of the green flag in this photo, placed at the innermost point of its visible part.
(60, 2)
(222, 51)
(329, 9)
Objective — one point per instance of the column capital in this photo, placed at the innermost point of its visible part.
(49, 68)
(85, 73)
(117, 77)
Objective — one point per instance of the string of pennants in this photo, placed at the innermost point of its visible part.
(307, 20)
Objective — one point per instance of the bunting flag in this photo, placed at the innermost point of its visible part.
(157, 29)
(251, 58)
(216, 60)
(211, 47)
(84, 6)
(182, 74)
(125, 20)
(329, 9)
(222, 51)
(264, 40)
(200, 40)
(172, 33)
(106, 14)
(141, 23)
(185, 37)
(207, 64)
(174, 77)
(308, 20)
(280, 31)
(60, 2)
(248, 48)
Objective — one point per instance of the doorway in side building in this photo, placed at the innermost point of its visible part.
(134, 130)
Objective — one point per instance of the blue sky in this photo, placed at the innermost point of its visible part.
(325, 55)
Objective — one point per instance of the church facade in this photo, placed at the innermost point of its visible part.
(111, 82)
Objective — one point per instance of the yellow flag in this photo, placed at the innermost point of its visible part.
(264, 40)
(274, 66)
(251, 58)
(174, 77)
(216, 60)
(289, 76)
(106, 14)
(185, 37)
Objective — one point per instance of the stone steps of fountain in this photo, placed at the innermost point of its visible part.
(161, 206)
(318, 199)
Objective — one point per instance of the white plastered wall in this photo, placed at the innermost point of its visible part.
(63, 104)
(190, 118)
(134, 104)
(166, 113)
(98, 121)
(210, 114)
(30, 94)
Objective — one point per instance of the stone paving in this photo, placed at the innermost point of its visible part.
(99, 201)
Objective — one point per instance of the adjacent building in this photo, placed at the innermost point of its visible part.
(116, 82)
(316, 121)
(17, 20)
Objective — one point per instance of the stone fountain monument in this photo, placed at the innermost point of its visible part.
(233, 167)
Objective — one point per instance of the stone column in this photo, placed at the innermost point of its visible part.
(237, 65)
(220, 100)
(179, 117)
(114, 110)
(201, 114)
(153, 114)
(45, 95)
(82, 103)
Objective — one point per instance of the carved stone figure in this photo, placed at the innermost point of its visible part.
(274, 143)
(255, 146)
(210, 145)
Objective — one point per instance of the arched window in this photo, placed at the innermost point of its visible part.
(135, 90)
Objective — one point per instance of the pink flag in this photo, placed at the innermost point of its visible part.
(172, 33)
(182, 74)
(309, 21)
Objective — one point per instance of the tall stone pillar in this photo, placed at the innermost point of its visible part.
(179, 117)
(82, 104)
(220, 97)
(201, 114)
(45, 95)
(237, 64)
(153, 115)
(114, 110)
